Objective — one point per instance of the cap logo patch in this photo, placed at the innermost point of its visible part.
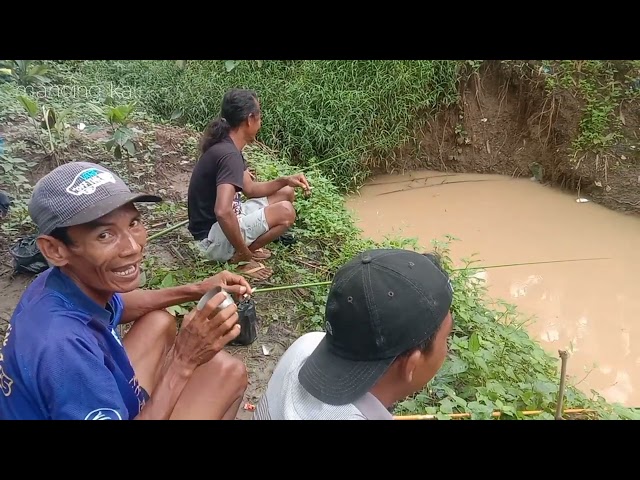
(328, 328)
(86, 182)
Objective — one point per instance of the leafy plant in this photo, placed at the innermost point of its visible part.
(118, 117)
(52, 123)
(13, 179)
(26, 72)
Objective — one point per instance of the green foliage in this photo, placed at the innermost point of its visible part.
(52, 125)
(24, 72)
(121, 136)
(603, 86)
(14, 181)
(346, 111)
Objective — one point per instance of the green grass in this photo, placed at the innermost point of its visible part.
(342, 115)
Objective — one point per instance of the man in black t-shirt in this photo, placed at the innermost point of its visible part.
(225, 228)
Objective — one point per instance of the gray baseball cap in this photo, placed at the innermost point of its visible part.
(77, 193)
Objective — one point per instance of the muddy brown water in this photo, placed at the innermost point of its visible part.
(591, 308)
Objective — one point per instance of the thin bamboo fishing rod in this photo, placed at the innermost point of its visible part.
(485, 267)
(493, 414)
(328, 282)
(318, 284)
(184, 222)
(167, 230)
(440, 184)
(290, 287)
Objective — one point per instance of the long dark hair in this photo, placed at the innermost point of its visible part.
(237, 105)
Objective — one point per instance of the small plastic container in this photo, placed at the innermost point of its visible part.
(248, 321)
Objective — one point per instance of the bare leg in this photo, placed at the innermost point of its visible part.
(216, 388)
(285, 194)
(280, 216)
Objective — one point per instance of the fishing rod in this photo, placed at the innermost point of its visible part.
(319, 284)
(167, 230)
(495, 414)
(534, 263)
(328, 282)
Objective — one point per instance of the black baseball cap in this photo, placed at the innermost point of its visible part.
(381, 304)
(79, 192)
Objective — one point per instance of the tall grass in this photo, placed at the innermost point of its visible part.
(313, 111)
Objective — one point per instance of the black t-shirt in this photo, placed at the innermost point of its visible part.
(222, 163)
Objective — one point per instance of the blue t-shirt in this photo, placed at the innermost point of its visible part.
(62, 357)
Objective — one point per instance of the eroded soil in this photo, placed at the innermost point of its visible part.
(509, 126)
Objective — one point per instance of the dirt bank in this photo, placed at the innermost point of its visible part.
(507, 123)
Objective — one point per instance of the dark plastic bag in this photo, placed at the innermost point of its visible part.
(248, 321)
(27, 257)
(5, 203)
(287, 239)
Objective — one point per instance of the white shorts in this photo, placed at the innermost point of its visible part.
(253, 224)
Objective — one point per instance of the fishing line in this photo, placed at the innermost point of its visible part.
(318, 284)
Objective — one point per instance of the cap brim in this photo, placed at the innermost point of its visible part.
(107, 206)
(338, 381)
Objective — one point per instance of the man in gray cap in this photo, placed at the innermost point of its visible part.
(387, 323)
(62, 356)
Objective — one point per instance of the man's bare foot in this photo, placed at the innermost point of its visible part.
(255, 270)
(261, 254)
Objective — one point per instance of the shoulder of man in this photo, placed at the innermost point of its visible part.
(300, 349)
(283, 387)
(46, 321)
(224, 162)
(220, 151)
(36, 341)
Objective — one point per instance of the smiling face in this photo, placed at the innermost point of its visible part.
(102, 257)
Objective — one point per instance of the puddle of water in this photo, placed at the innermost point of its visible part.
(590, 308)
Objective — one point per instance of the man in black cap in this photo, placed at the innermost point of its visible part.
(62, 356)
(387, 324)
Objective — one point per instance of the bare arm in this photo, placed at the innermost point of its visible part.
(140, 302)
(228, 220)
(254, 189)
(170, 386)
(197, 343)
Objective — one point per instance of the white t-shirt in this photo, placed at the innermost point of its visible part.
(286, 399)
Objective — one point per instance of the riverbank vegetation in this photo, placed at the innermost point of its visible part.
(334, 120)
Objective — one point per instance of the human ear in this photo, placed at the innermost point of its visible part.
(53, 250)
(410, 364)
